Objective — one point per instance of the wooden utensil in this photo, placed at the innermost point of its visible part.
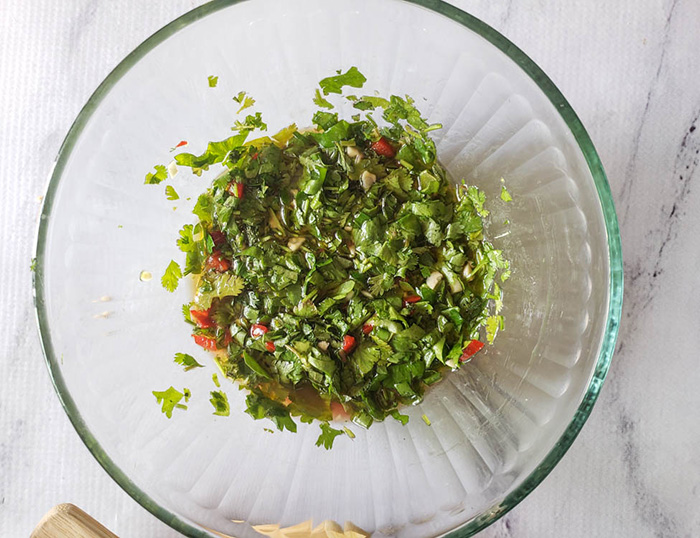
(69, 521)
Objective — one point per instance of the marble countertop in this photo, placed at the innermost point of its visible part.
(631, 70)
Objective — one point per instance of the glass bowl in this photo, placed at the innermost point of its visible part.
(499, 425)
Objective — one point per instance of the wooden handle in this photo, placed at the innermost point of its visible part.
(69, 521)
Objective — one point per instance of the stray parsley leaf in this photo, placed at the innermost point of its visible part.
(171, 193)
(250, 123)
(170, 399)
(172, 275)
(320, 101)
(188, 361)
(328, 435)
(213, 81)
(160, 174)
(493, 324)
(335, 84)
(477, 198)
(220, 402)
(244, 100)
(505, 195)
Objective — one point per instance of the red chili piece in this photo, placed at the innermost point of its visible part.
(254, 156)
(257, 330)
(383, 147)
(270, 346)
(348, 343)
(182, 143)
(410, 299)
(205, 341)
(367, 328)
(202, 318)
(236, 189)
(217, 262)
(227, 338)
(472, 349)
(218, 237)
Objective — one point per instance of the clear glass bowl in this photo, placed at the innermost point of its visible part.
(498, 426)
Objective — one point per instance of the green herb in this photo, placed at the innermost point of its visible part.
(339, 262)
(220, 402)
(160, 175)
(335, 83)
(320, 101)
(244, 100)
(505, 195)
(328, 435)
(426, 419)
(215, 379)
(171, 277)
(171, 193)
(213, 81)
(32, 266)
(188, 361)
(170, 399)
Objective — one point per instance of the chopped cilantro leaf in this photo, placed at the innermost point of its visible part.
(160, 174)
(245, 100)
(170, 399)
(213, 81)
(352, 77)
(250, 123)
(220, 402)
(188, 361)
(320, 101)
(505, 195)
(328, 435)
(171, 193)
(172, 275)
(493, 324)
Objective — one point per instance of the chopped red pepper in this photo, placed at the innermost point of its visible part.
(235, 189)
(348, 343)
(270, 346)
(254, 156)
(472, 349)
(367, 328)
(383, 147)
(338, 412)
(205, 341)
(257, 330)
(410, 299)
(202, 318)
(217, 262)
(227, 338)
(182, 143)
(218, 237)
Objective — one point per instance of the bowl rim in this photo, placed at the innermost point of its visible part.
(558, 101)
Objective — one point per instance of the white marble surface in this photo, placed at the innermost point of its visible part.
(631, 69)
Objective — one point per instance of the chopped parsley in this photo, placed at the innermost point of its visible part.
(188, 361)
(171, 277)
(220, 402)
(160, 175)
(171, 193)
(337, 268)
(328, 435)
(505, 195)
(170, 399)
(213, 81)
(245, 100)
